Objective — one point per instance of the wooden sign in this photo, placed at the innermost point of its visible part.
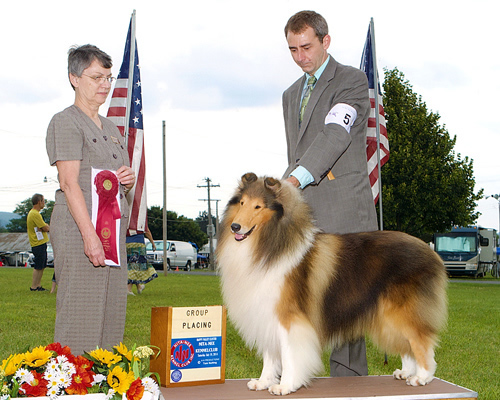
(192, 342)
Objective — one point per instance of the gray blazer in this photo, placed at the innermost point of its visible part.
(343, 204)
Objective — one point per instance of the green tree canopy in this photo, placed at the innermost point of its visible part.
(22, 209)
(178, 227)
(202, 221)
(426, 187)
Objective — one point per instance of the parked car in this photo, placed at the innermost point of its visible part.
(50, 257)
(15, 258)
(179, 255)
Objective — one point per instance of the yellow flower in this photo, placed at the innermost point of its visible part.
(37, 357)
(119, 380)
(105, 356)
(11, 364)
(122, 349)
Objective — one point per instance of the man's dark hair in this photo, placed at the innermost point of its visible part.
(299, 22)
(80, 58)
(37, 198)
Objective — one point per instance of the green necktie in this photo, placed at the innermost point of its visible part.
(310, 85)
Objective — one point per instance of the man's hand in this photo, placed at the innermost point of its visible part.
(293, 180)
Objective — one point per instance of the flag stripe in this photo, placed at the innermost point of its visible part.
(367, 65)
(117, 112)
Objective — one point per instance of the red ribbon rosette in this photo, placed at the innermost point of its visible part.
(107, 186)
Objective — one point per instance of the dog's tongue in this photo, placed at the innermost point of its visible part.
(238, 236)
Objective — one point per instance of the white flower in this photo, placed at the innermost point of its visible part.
(143, 352)
(64, 380)
(53, 384)
(110, 394)
(62, 359)
(24, 376)
(151, 386)
(53, 392)
(98, 378)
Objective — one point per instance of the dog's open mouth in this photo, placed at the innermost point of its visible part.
(239, 237)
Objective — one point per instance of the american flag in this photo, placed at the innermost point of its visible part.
(368, 67)
(120, 104)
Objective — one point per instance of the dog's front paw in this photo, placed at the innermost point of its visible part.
(419, 380)
(281, 390)
(257, 384)
(401, 374)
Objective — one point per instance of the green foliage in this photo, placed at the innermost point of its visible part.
(178, 227)
(426, 187)
(467, 355)
(22, 209)
(202, 221)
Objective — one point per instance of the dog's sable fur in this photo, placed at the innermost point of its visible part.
(292, 290)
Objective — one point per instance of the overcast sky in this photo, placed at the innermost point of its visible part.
(215, 71)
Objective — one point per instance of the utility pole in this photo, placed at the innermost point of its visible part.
(216, 215)
(165, 265)
(210, 227)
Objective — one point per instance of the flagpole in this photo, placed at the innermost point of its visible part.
(131, 67)
(377, 114)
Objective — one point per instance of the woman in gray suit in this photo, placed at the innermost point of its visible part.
(91, 301)
(326, 113)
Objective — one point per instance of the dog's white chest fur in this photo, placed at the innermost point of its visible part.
(252, 292)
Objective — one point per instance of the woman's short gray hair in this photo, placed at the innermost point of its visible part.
(80, 58)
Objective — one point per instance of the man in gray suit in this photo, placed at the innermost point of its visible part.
(326, 113)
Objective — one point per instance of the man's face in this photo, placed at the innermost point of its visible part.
(307, 51)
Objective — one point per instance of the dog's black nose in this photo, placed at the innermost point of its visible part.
(235, 227)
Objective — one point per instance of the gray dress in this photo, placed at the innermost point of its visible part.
(91, 302)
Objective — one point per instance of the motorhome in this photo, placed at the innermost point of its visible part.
(468, 250)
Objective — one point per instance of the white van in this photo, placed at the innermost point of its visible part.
(179, 254)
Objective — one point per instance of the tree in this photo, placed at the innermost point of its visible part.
(202, 220)
(22, 209)
(426, 187)
(178, 227)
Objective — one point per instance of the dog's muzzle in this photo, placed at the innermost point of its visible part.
(236, 228)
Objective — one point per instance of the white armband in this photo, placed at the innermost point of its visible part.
(342, 114)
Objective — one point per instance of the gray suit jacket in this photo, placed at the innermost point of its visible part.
(343, 204)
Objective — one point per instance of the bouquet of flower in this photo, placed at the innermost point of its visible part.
(53, 371)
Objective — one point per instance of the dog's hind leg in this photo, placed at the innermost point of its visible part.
(270, 373)
(300, 357)
(424, 357)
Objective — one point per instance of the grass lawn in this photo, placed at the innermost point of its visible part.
(468, 355)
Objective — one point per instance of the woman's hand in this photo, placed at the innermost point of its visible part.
(126, 176)
(94, 251)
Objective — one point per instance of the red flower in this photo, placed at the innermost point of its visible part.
(37, 387)
(83, 362)
(136, 390)
(61, 351)
(81, 380)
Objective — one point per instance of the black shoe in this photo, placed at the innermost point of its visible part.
(38, 289)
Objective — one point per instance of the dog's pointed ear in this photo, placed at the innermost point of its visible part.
(272, 184)
(248, 178)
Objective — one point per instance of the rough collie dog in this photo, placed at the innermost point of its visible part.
(291, 290)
